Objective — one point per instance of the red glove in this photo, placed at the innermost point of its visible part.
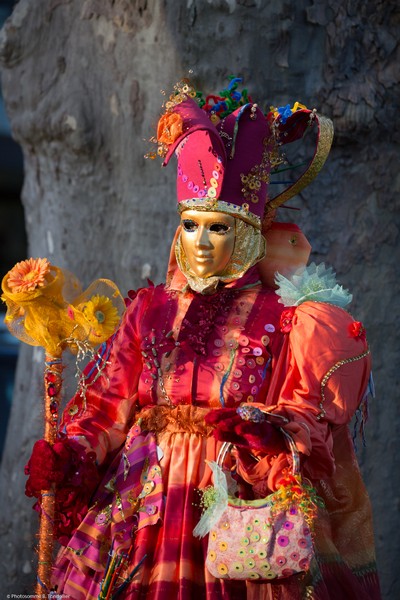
(230, 427)
(47, 465)
(73, 471)
(60, 463)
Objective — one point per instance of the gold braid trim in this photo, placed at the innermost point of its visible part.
(324, 143)
(182, 418)
(328, 375)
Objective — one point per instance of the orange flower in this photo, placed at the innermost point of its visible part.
(29, 274)
(169, 128)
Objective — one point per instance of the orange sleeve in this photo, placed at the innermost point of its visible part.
(318, 383)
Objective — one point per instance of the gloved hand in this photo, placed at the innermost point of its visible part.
(230, 426)
(65, 462)
(47, 465)
(74, 473)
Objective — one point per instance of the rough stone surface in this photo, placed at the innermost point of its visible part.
(82, 81)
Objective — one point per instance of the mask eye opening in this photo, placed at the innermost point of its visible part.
(189, 225)
(220, 228)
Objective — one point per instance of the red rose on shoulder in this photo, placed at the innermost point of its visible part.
(357, 330)
(286, 319)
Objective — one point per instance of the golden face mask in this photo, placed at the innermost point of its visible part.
(208, 240)
(216, 247)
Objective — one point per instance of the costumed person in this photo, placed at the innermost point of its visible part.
(220, 353)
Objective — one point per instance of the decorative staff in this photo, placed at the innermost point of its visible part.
(46, 307)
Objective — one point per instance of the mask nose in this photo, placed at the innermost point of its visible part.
(203, 238)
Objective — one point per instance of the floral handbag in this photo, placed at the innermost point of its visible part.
(269, 538)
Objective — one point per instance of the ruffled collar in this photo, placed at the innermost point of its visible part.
(178, 282)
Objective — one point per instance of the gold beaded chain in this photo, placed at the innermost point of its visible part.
(327, 376)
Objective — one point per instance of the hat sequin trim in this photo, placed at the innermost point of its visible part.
(214, 205)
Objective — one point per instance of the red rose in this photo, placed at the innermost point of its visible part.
(286, 319)
(357, 330)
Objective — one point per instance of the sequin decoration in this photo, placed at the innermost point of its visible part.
(222, 569)
(237, 567)
(104, 516)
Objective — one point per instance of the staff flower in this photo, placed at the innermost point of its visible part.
(102, 317)
(46, 307)
(33, 293)
(28, 275)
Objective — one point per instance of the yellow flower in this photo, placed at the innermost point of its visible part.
(102, 316)
(28, 275)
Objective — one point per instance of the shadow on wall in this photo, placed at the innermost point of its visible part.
(9, 346)
(13, 245)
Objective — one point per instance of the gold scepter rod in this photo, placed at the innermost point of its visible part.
(52, 397)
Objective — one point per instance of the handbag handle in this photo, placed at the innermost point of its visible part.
(227, 446)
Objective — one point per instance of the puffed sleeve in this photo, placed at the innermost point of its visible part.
(318, 383)
(98, 416)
